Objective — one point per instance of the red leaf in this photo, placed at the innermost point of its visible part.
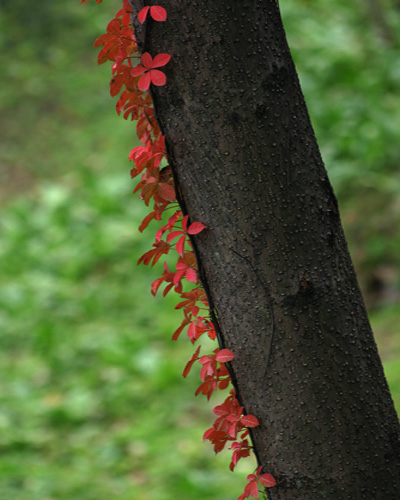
(177, 278)
(249, 421)
(137, 70)
(158, 78)
(223, 384)
(267, 480)
(167, 289)
(166, 191)
(180, 247)
(220, 410)
(190, 362)
(232, 430)
(191, 275)
(160, 60)
(224, 355)
(252, 489)
(156, 285)
(208, 433)
(196, 228)
(179, 330)
(192, 330)
(144, 82)
(142, 14)
(172, 235)
(145, 222)
(158, 13)
(147, 60)
(184, 222)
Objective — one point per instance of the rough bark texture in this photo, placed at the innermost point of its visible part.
(274, 256)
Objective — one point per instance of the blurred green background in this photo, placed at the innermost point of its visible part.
(93, 405)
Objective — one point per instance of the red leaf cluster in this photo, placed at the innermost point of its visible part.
(231, 425)
(156, 186)
(251, 488)
(151, 75)
(156, 12)
(118, 43)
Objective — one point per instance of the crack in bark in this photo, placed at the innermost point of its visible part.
(269, 302)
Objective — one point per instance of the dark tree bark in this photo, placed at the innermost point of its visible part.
(274, 258)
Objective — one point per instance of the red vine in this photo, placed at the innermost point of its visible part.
(156, 185)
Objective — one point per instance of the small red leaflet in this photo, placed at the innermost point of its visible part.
(224, 356)
(267, 480)
(191, 361)
(191, 275)
(196, 228)
(249, 421)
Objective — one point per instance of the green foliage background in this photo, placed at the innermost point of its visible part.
(93, 405)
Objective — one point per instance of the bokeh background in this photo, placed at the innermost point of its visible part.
(92, 402)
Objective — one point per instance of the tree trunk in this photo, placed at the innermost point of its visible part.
(274, 258)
